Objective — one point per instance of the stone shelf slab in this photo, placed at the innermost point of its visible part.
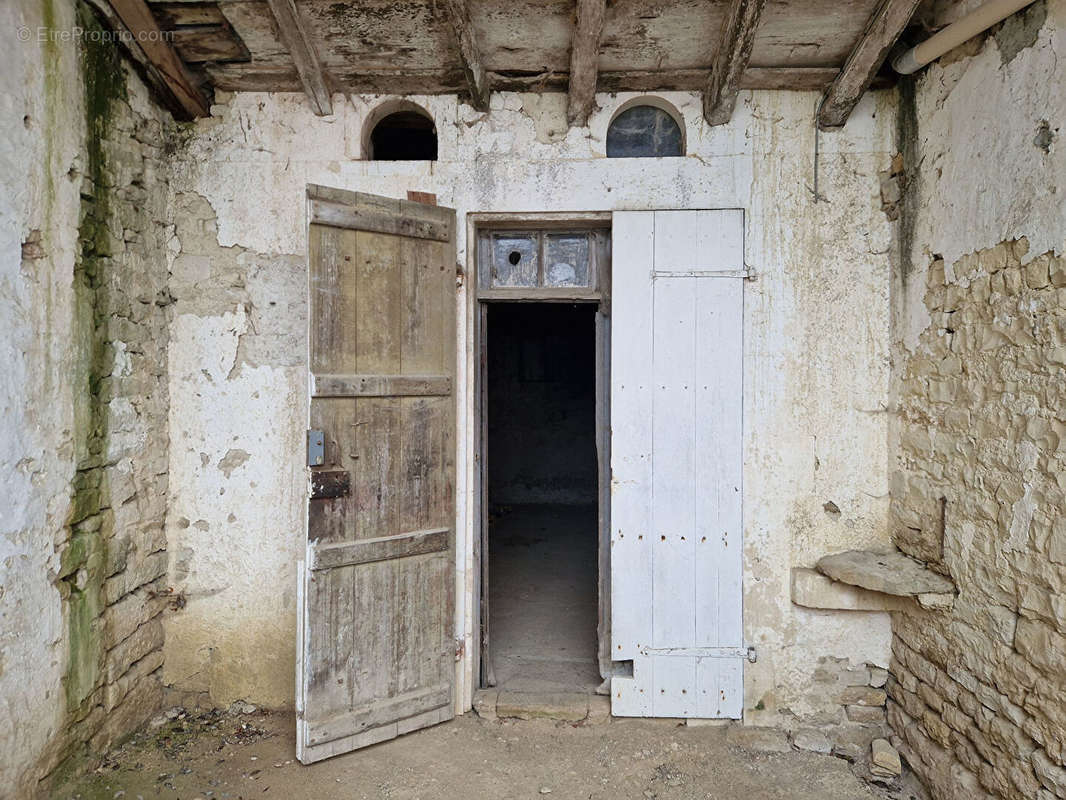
(891, 573)
(812, 589)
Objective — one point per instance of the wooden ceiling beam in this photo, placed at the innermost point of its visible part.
(731, 60)
(584, 60)
(294, 34)
(459, 17)
(169, 73)
(864, 61)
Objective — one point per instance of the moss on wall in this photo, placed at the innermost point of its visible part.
(84, 561)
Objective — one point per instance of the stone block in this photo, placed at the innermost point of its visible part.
(862, 696)
(878, 677)
(870, 715)
(485, 703)
(811, 589)
(891, 572)
(884, 759)
(572, 707)
(812, 740)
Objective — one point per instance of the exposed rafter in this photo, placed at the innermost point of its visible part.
(866, 58)
(584, 60)
(734, 51)
(153, 51)
(459, 17)
(302, 50)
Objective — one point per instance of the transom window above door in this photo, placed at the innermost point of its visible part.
(541, 259)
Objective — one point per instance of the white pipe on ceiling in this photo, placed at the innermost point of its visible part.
(963, 29)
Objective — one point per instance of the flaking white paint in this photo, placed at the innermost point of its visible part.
(41, 124)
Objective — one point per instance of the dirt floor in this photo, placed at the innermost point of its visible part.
(239, 756)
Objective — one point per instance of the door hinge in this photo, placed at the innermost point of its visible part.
(316, 448)
(752, 655)
(460, 648)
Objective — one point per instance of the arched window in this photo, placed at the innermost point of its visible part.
(644, 131)
(406, 134)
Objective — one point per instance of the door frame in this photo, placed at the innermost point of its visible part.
(478, 301)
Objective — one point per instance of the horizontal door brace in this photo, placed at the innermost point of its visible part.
(747, 653)
(381, 385)
(701, 273)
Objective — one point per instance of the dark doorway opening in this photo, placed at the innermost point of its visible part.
(542, 493)
(404, 136)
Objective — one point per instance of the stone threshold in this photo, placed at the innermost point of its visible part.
(590, 709)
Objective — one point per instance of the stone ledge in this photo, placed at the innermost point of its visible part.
(812, 589)
(890, 572)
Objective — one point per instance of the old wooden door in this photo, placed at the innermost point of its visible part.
(377, 648)
(676, 463)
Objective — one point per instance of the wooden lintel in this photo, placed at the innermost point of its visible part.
(864, 61)
(734, 52)
(155, 53)
(294, 34)
(584, 60)
(469, 53)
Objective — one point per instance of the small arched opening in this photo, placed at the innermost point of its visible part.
(400, 132)
(645, 128)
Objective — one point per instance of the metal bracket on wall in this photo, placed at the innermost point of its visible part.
(316, 448)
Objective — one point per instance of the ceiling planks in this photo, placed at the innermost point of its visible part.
(731, 59)
(862, 65)
(584, 60)
(459, 16)
(304, 55)
(476, 46)
(170, 74)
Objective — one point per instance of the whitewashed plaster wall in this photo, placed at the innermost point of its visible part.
(982, 177)
(41, 125)
(816, 342)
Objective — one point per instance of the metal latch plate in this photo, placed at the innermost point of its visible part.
(316, 448)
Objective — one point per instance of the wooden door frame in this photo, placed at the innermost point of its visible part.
(479, 300)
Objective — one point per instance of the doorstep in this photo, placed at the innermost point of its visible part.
(583, 707)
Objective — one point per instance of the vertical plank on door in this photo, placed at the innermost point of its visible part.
(673, 334)
(631, 453)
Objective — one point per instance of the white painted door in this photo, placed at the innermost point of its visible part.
(676, 462)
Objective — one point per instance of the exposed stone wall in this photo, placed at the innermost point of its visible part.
(976, 695)
(84, 553)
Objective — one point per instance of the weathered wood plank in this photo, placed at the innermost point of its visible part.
(338, 215)
(870, 52)
(170, 72)
(212, 43)
(584, 60)
(366, 551)
(382, 385)
(731, 59)
(172, 15)
(477, 83)
(294, 33)
(371, 716)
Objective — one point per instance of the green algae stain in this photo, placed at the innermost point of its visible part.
(84, 562)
